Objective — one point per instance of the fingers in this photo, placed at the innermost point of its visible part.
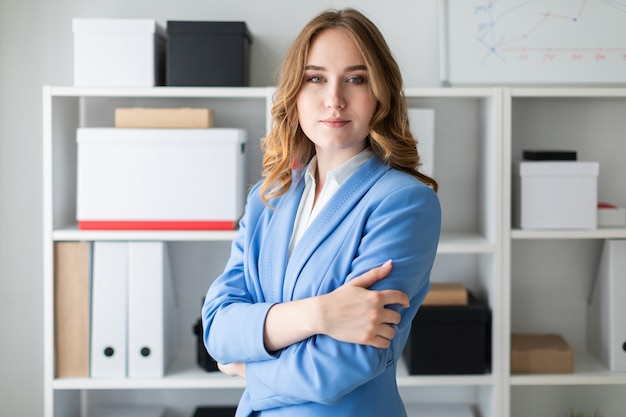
(383, 339)
(233, 369)
(387, 333)
(369, 278)
(390, 317)
(223, 369)
(381, 343)
(389, 297)
(386, 330)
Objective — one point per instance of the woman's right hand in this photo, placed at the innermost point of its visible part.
(355, 314)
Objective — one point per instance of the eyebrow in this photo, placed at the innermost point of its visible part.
(348, 69)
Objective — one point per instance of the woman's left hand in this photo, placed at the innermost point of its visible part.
(233, 369)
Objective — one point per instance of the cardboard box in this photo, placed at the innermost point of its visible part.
(208, 54)
(165, 118)
(118, 53)
(448, 340)
(446, 294)
(160, 179)
(540, 354)
(555, 195)
(72, 295)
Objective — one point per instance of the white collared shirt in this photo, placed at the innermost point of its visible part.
(334, 178)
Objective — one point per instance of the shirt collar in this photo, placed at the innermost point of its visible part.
(342, 172)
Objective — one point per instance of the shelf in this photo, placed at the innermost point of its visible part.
(608, 233)
(568, 92)
(72, 233)
(185, 374)
(406, 380)
(251, 92)
(464, 243)
(449, 242)
(588, 371)
(162, 92)
(452, 92)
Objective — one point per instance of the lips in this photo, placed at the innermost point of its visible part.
(335, 122)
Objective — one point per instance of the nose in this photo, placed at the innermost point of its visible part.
(335, 97)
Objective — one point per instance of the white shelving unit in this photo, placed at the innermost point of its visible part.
(466, 165)
(532, 281)
(197, 256)
(548, 274)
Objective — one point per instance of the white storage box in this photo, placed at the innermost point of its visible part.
(611, 216)
(555, 194)
(118, 53)
(606, 333)
(160, 179)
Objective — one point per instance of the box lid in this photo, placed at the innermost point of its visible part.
(474, 311)
(538, 342)
(556, 168)
(203, 27)
(179, 137)
(549, 155)
(118, 26)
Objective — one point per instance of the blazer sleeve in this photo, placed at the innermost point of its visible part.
(402, 225)
(233, 313)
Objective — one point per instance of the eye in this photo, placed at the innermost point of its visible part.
(314, 79)
(356, 79)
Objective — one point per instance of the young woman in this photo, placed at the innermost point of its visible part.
(335, 248)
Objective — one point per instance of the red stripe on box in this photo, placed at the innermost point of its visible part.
(156, 225)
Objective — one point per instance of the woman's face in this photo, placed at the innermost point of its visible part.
(335, 103)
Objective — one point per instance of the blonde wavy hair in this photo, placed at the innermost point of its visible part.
(286, 146)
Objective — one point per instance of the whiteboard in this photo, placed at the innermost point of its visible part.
(533, 41)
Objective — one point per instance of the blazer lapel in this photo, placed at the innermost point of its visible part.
(275, 247)
(346, 197)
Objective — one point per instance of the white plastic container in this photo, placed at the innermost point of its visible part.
(118, 53)
(606, 333)
(160, 179)
(611, 216)
(555, 194)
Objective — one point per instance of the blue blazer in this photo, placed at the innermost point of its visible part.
(379, 213)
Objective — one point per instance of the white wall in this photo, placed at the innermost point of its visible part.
(36, 50)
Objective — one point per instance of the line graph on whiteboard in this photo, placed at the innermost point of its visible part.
(536, 41)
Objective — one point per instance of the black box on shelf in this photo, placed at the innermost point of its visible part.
(222, 411)
(450, 340)
(212, 54)
(204, 360)
(549, 155)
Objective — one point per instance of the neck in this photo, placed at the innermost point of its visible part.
(332, 159)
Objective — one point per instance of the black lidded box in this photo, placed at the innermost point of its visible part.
(204, 360)
(225, 411)
(549, 155)
(207, 54)
(449, 340)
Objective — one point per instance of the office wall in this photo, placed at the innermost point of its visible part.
(36, 50)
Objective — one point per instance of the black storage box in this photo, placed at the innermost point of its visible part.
(449, 340)
(207, 54)
(549, 155)
(225, 411)
(204, 360)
